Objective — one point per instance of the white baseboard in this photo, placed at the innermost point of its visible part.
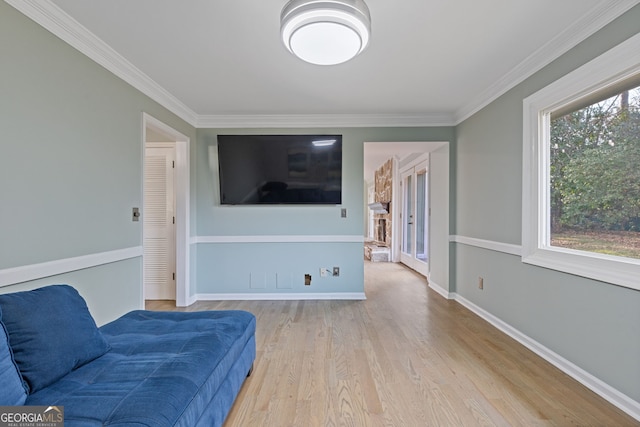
(604, 390)
(190, 300)
(442, 291)
(279, 296)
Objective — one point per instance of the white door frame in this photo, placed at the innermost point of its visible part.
(183, 211)
(415, 168)
(439, 187)
(405, 210)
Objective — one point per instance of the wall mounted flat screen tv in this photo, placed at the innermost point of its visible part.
(280, 169)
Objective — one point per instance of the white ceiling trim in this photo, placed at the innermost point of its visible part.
(51, 17)
(580, 30)
(324, 120)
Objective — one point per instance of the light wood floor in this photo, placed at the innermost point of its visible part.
(404, 357)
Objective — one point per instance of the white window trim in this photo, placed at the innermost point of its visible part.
(613, 66)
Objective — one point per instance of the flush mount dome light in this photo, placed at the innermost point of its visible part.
(325, 32)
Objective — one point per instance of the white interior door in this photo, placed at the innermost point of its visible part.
(415, 218)
(159, 221)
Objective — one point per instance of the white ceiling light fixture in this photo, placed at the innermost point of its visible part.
(325, 32)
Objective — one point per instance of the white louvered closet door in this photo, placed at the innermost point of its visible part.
(159, 223)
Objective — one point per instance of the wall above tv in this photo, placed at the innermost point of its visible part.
(280, 169)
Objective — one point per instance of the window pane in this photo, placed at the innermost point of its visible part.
(408, 216)
(595, 177)
(421, 218)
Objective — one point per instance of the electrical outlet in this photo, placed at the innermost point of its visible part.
(480, 283)
(343, 212)
(336, 271)
(324, 272)
(307, 280)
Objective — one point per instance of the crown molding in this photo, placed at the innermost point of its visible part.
(52, 18)
(592, 21)
(323, 120)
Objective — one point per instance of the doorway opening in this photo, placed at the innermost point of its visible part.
(418, 211)
(173, 147)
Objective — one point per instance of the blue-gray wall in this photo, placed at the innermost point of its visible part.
(280, 262)
(70, 168)
(70, 165)
(594, 325)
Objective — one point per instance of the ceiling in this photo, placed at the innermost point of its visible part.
(220, 63)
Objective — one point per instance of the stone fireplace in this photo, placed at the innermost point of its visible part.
(380, 234)
(383, 188)
(380, 248)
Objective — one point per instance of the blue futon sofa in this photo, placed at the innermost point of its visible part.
(144, 369)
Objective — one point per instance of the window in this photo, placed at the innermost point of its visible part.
(581, 179)
(594, 174)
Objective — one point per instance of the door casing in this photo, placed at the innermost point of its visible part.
(183, 209)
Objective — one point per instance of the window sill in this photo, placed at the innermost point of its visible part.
(619, 271)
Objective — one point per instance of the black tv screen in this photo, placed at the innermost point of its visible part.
(280, 169)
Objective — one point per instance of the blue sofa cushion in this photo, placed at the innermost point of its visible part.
(13, 391)
(51, 332)
(164, 369)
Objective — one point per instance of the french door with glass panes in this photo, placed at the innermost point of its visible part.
(415, 218)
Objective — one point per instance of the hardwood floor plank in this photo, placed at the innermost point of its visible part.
(405, 356)
(369, 388)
